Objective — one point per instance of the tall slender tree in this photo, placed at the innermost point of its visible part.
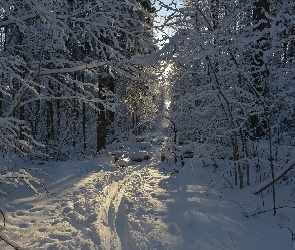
(259, 67)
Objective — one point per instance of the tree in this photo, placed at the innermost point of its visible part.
(259, 68)
(58, 57)
(229, 68)
(138, 95)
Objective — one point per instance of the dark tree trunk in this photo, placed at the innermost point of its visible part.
(101, 129)
(1, 102)
(75, 112)
(258, 67)
(101, 118)
(84, 125)
(291, 45)
(58, 110)
(22, 118)
(215, 12)
(49, 117)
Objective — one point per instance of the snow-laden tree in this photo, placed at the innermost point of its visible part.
(233, 71)
(59, 65)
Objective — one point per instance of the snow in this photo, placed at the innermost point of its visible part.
(138, 155)
(91, 204)
(277, 175)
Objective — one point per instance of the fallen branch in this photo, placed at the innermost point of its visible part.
(278, 176)
(4, 219)
(5, 239)
(265, 211)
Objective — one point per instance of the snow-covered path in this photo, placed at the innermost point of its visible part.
(85, 210)
(139, 207)
(85, 207)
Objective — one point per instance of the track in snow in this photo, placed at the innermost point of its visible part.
(85, 210)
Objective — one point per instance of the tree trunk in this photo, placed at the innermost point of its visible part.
(258, 67)
(75, 115)
(215, 12)
(101, 129)
(49, 116)
(101, 119)
(22, 118)
(1, 104)
(246, 154)
(58, 111)
(84, 126)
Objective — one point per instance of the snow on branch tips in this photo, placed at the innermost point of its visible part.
(67, 57)
(13, 178)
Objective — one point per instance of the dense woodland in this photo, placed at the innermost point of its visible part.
(67, 66)
(77, 74)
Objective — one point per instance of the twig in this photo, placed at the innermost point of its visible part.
(4, 220)
(8, 243)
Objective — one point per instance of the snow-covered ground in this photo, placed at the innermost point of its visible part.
(92, 204)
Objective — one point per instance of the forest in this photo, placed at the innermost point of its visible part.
(206, 84)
